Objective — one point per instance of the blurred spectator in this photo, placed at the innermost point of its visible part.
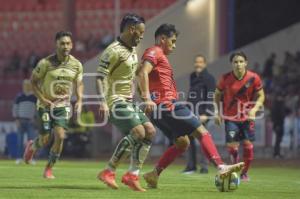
(283, 95)
(289, 125)
(277, 115)
(14, 64)
(30, 63)
(256, 68)
(202, 88)
(32, 60)
(106, 40)
(268, 67)
(24, 110)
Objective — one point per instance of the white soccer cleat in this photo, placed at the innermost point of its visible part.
(226, 170)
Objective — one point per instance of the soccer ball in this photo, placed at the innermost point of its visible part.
(230, 183)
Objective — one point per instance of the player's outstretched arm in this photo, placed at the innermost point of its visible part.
(258, 104)
(101, 88)
(143, 83)
(79, 92)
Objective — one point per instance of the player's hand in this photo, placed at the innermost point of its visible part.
(149, 106)
(203, 118)
(78, 106)
(218, 120)
(252, 114)
(103, 111)
(47, 102)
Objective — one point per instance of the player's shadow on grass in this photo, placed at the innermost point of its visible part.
(71, 187)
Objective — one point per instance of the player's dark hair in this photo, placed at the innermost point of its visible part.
(240, 53)
(61, 34)
(130, 19)
(202, 56)
(166, 29)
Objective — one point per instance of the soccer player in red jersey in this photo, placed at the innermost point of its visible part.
(243, 96)
(159, 93)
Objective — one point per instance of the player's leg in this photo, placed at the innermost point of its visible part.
(139, 153)
(232, 131)
(55, 151)
(170, 126)
(60, 118)
(32, 146)
(210, 149)
(145, 134)
(248, 129)
(193, 127)
(140, 150)
(180, 146)
(128, 122)
(121, 152)
(191, 165)
(278, 128)
(203, 162)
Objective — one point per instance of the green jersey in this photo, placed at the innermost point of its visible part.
(118, 64)
(57, 79)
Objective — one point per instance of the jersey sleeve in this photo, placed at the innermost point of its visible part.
(151, 56)
(221, 84)
(80, 73)
(257, 83)
(108, 59)
(40, 70)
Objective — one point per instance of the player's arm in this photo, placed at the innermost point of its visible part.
(143, 83)
(217, 102)
(258, 104)
(209, 107)
(37, 75)
(108, 59)
(79, 90)
(101, 87)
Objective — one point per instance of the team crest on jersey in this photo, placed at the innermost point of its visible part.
(231, 133)
(105, 57)
(247, 85)
(134, 57)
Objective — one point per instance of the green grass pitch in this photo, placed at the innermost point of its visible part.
(77, 179)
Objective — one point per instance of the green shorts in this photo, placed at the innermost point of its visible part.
(48, 119)
(125, 116)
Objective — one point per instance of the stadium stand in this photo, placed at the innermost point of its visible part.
(27, 27)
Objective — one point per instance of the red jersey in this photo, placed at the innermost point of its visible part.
(238, 95)
(161, 82)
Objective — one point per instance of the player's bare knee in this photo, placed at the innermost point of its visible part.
(44, 139)
(182, 142)
(138, 132)
(149, 131)
(59, 133)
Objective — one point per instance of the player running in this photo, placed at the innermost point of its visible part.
(158, 88)
(52, 81)
(117, 69)
(243, 96)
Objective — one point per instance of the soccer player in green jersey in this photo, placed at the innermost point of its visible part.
(117, 70)
(53, 80)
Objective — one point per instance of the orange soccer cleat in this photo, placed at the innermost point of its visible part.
(48, 173)
(132, 181)
(108, 177)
